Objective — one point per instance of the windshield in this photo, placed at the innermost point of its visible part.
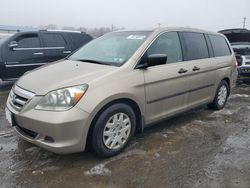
(240, 45)
(112, 49)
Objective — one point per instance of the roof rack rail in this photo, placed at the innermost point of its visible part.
(61, 30)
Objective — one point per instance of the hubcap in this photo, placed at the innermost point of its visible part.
(222, 95)
(116, 131)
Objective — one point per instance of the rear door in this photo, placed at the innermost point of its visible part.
(201, 73)
(165, 85)
(55, 46)
(26, 56)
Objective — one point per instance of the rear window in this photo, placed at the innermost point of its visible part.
(54, 40)
(219, 45)
(79, 39)
(195, 46)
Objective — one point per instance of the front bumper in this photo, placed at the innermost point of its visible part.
(59, 132)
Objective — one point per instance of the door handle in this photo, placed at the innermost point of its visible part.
(67, 52)
(196, 68)
(38, 53)
(181, 71)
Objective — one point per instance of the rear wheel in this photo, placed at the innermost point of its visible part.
(113, 130)
(221, 96)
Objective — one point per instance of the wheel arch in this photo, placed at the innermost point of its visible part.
(132, 103)
(228, 82)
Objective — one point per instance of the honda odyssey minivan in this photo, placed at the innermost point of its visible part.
(118, 84)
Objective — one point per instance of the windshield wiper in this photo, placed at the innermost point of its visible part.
(92, 61)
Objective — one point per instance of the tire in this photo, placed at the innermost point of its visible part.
(115, 124)
(221, 96)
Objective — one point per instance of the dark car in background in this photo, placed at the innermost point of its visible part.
(240, 42)
(25, 51)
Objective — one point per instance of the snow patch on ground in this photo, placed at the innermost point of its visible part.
(33, 150)
(234, 155)
(166, 134)
(239, 95)
(6, 134)
(102, 170)
(225, 112)
(157, 155)
(198, 122)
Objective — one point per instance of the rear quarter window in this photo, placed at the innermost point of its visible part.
(220, 46)
(79, 40)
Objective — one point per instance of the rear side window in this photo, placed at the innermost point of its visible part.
(79, 39)
(194, 46)
(54, 40)
(28, 41)
(219, 45)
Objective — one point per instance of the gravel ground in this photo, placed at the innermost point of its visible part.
(201, 148)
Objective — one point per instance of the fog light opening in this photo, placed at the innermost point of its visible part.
(49, 139)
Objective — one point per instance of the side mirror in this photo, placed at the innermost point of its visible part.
(13, 44)
(157, 59)
(152, 60)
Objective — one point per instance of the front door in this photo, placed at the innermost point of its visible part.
(26, 56)
(166, 85)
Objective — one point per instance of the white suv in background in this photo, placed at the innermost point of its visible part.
(240, 41)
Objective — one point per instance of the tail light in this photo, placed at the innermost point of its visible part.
(239, 60)
(235, 63)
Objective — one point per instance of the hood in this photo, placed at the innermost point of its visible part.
(237, 35)
(62, 74)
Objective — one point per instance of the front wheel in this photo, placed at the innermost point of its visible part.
(113, 130)
(221, 96)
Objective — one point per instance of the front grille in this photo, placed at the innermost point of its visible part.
(19, 97)
(18, 100)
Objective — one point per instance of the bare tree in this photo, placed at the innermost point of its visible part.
(95, 32)
(68, 28)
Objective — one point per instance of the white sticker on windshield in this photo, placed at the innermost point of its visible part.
(116, 59)
(136, 37)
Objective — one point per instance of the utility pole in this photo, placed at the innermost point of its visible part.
(244, 22)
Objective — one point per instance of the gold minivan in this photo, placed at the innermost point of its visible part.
(118, 84)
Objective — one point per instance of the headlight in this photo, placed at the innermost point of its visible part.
(62, 99)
